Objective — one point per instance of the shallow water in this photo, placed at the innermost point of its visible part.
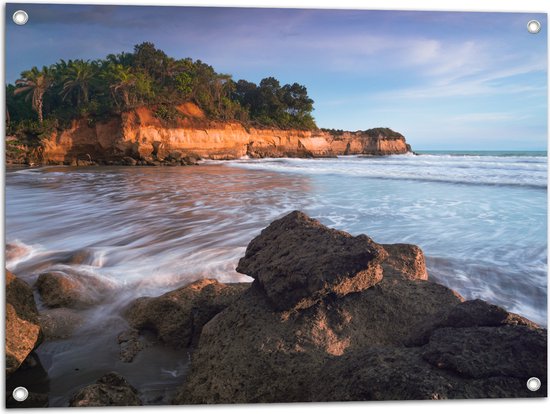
(481, 220)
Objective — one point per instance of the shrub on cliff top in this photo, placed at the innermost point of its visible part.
(385, 132)
(167, 113)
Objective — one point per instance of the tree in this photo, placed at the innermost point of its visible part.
(184, 84)
(17, 107)
(76, 81)
(35, 83)
(124, 59)
(152, 60)
(296, 100)
(131, 87)
(121, 82)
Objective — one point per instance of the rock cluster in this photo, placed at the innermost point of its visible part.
(329, 317)
(313, 328)
(23, 332)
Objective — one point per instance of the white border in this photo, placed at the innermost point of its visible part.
(501, 406)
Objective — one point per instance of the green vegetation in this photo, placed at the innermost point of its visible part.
(53, 96)
(334, 132)
(385, 132)
(374, 132)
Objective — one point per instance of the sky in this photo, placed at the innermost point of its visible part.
(445, 80)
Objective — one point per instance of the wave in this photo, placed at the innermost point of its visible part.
(498, 285)
(470, 170)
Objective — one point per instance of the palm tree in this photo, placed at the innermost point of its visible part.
(76, 81)
(122, 81)
(35, 83)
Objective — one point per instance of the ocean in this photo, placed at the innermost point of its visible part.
(480, 218)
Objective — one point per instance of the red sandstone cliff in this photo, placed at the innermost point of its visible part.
(141, 135)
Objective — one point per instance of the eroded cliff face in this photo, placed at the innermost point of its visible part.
(141, 135)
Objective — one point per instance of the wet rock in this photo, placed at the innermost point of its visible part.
(72, 290)
(16, 251)
(174, 156)
(128, 161)
(482, 352)
(480, 313)
(85, 163)
(190, 160)
(110, 390)
(252, 353)
(394, 373)
(150, 161)
(75, 257)
(177, 317)
(59, 323)
(405, 260)
(361, 345)
(298, 261)
(23, 332)
(130, 344)
(471, 313)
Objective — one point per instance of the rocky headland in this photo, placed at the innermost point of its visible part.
(329, 317)
(138, 137)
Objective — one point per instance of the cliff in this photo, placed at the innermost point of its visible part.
(139, 134)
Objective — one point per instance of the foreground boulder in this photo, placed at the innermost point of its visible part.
(401, 338)
(72, 290)
(177, 317)
(297, 261)
(110, 390)
(23, 333)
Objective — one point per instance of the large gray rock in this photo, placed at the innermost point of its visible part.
(402, 338)
(23, 332)
(251, 353)
(110, 390)
(177, 317)
(471, 313)
(397, 373)
(488, 351)
(298, 261)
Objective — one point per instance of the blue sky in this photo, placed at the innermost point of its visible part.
(444, 80)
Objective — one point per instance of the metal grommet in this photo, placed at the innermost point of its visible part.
(20, 17)
(533, 384)
(533, 26)
(20, 394)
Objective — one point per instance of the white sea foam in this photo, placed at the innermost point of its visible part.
(470, 169)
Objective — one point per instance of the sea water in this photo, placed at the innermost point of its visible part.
(480, 218)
